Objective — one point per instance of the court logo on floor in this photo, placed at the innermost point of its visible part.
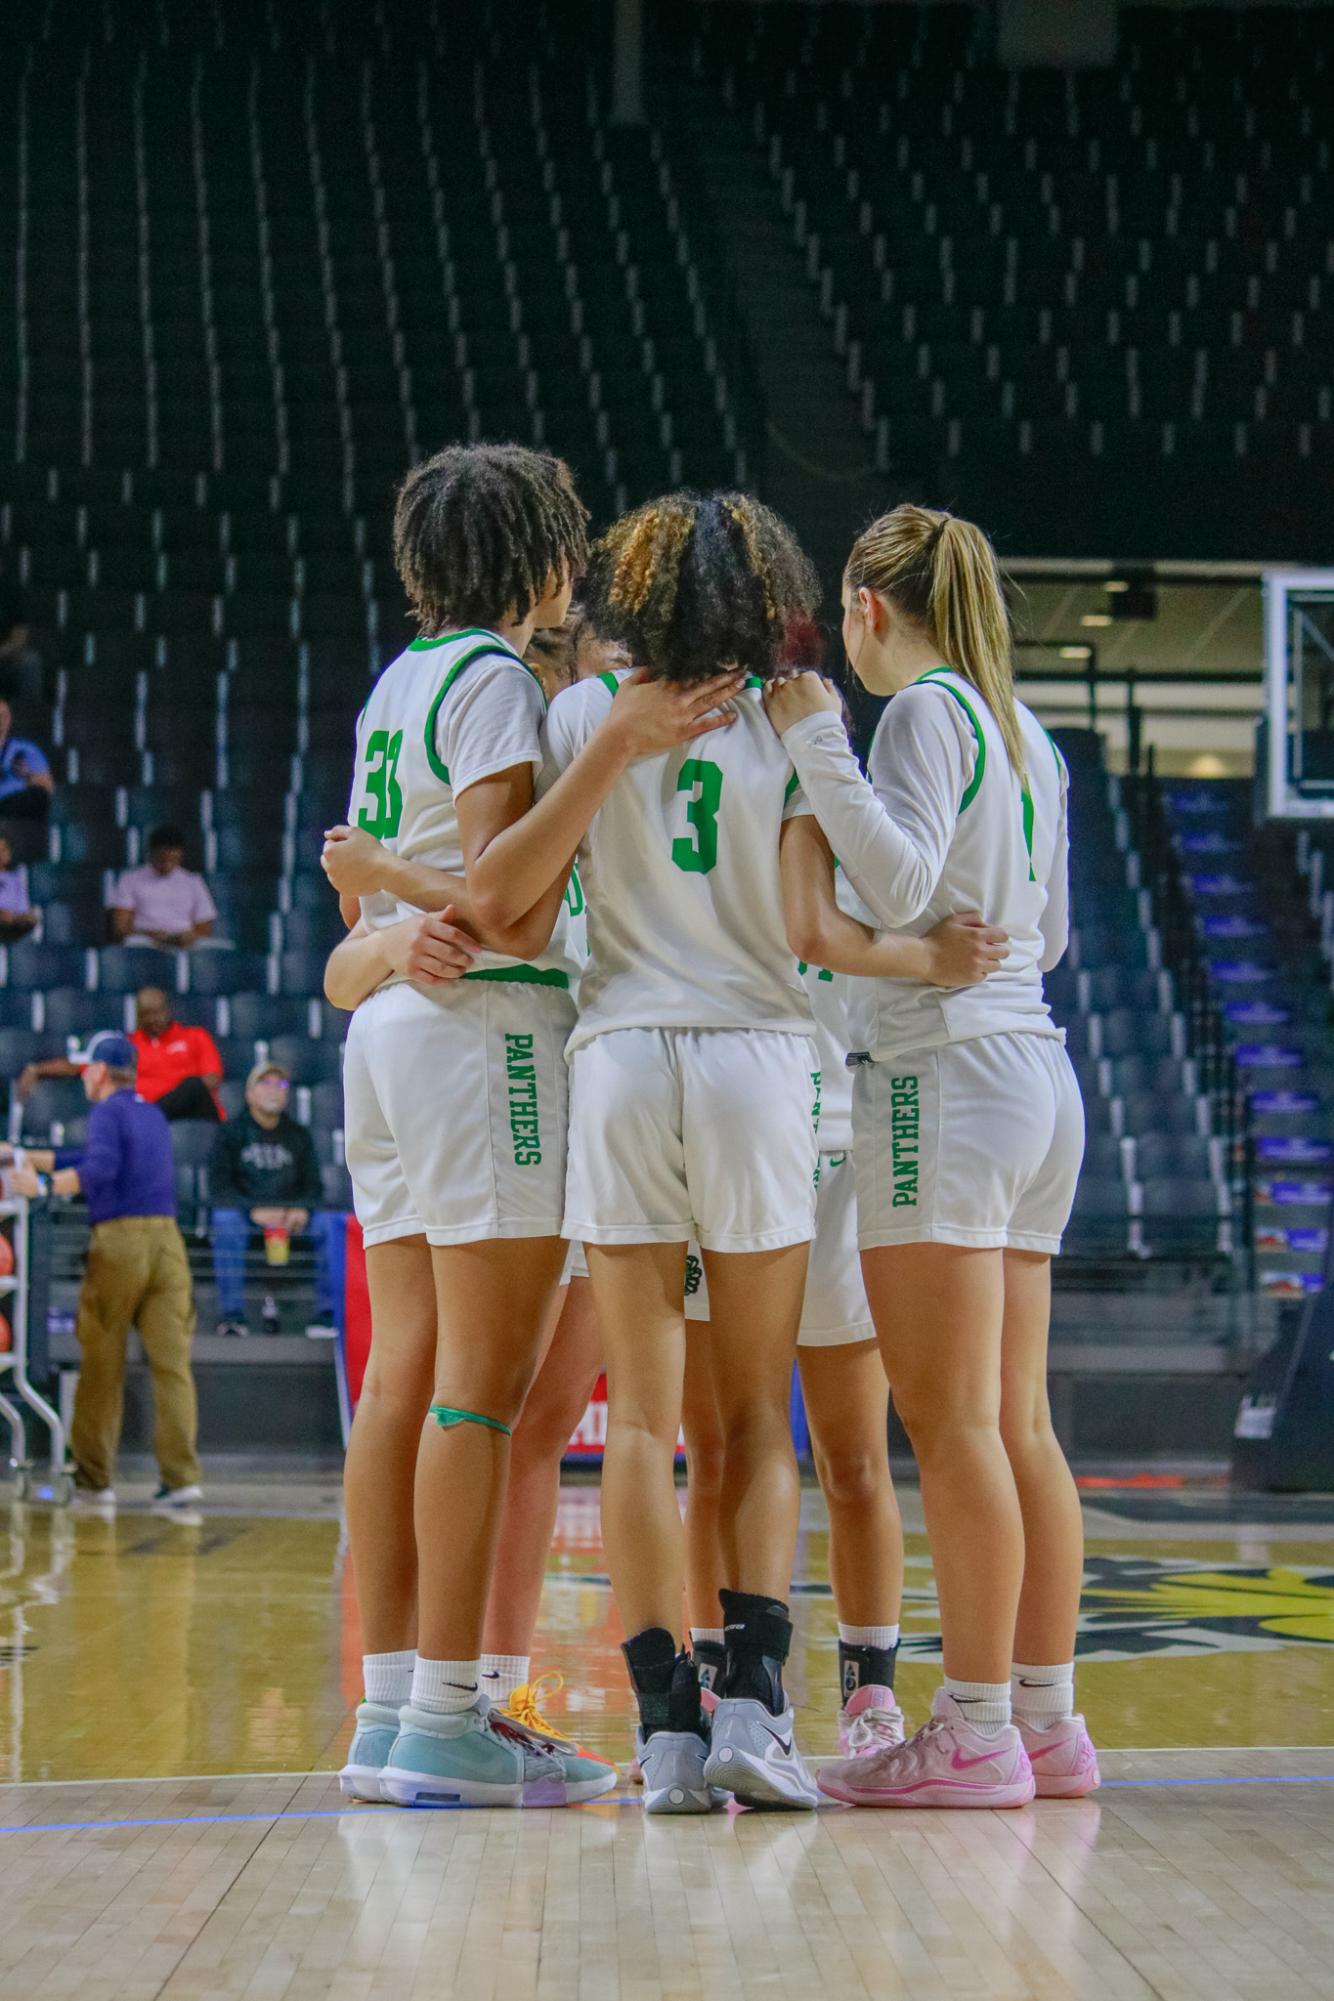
(1139, 1605)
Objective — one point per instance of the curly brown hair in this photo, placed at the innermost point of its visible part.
(479, 531)
(691, 583)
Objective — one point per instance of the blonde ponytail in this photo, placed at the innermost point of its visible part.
(942, 574)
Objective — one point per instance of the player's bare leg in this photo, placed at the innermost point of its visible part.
(755, 1303)
(847, 1409)
(378, 1479)
(1042, 1681)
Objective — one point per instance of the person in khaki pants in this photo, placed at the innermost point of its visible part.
(137, 1275)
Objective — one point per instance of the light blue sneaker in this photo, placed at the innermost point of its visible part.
(672, 1763)
(478, 1757)
(368, 1752)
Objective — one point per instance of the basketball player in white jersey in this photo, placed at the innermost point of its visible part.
(455, 1100)
(843, 1383)
(430, 948)
(694, 1098)
(969, 1135)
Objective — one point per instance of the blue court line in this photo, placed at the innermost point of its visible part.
(615, 1799)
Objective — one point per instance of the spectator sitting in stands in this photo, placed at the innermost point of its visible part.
(179, 1068)
(17, 917)
(26, 783)
(162, 903)
(264, 1177)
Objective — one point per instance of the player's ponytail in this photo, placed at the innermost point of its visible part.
(942, 574)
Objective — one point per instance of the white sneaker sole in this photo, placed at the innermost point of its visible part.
(932, 1793)
(361, 1782)
(680, 1799)
(402, 1788)
(755, 1782)
(1073, 1786)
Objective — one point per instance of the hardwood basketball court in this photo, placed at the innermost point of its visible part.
(175, 1697)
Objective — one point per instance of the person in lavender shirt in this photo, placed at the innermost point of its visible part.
(162, 903)
(17, 917)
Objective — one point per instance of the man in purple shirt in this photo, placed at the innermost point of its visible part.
(137, 1275)
(162, 903)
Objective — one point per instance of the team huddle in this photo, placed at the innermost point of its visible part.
(679, 1049)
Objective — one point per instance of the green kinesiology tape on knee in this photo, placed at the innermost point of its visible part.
(446, 1417)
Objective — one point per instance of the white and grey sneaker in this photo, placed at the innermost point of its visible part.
(671, 1765)
(178, 1497)
(754, 1757)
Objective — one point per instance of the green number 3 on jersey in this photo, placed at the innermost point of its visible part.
(382, 815)
(697, 852)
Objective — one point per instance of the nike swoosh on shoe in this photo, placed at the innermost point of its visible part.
(966, 1764)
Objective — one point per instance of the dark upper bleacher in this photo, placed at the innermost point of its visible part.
(1064, 299)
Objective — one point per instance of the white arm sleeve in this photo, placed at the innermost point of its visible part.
(892, 841)
(570, 722)
(491, 723)
(1055, 920)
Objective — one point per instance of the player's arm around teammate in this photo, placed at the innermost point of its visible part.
(455, 1107)
(969, 1135)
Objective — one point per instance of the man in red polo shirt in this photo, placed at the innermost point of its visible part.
(179, 1067)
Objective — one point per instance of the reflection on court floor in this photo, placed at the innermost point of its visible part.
(174, 1696)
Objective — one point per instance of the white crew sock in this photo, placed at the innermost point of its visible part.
(869, 1636)
(387, 1678)
(502, 1674)
(446, 1687)
(1043, 1696)
(984, 1705)
(714, 1634)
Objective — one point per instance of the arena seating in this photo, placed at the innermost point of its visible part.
(1029, 317)
(257, 279)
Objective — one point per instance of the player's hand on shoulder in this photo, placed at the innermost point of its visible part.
(650, 715)
(353, 861)
(793, 696)
(431, 949)
(965, 949)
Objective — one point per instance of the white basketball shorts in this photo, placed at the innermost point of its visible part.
(693, 1133)
(977, 1144)
(835, 1311)
(456, 1112)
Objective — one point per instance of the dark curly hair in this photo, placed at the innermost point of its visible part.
(479, 530)
(691, 583)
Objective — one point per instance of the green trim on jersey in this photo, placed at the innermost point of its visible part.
(531, 976)
(421, 645)
(493, 645)
(1062, 768)
(791, 786)
(608, 680)
(936, 676)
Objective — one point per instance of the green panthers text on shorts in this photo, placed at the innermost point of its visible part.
(525, 1121)
(904, 1123)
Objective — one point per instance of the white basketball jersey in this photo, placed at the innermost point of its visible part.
(940, 769)
(445, 714)
(680, 869)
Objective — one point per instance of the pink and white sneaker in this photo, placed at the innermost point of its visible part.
(1065, 1764)
(947, 1763)
(870, 1720)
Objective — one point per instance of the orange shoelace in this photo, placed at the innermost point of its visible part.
(525, 1701)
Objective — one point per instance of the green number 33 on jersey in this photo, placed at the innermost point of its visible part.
(697, 851)
(382, 815)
